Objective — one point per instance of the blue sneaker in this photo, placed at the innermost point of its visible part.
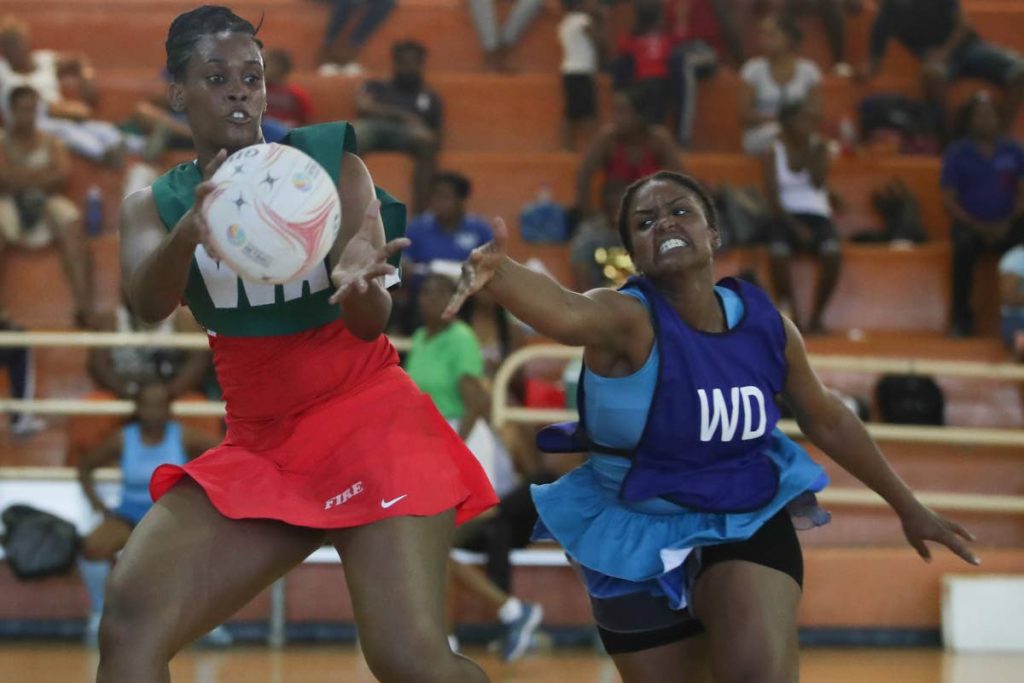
(218, 637)
(519, 633)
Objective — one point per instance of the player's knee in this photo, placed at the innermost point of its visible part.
(758, 661)
(424, 660)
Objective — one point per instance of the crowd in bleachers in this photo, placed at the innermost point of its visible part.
(657, 56)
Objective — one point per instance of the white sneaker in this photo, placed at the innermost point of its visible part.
(92, 631)
(26, 425)
(350, 70)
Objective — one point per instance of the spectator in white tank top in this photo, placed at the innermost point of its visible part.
(778, 77)
(796, 174)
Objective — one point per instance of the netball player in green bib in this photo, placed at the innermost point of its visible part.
(327, 441)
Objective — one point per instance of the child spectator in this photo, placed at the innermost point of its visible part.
(288, 104)
(580, 33)
(599, 231)
(642, 63)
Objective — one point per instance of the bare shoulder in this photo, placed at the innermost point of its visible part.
(139, 208)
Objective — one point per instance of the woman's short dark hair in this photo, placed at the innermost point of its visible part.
(410, 46)
(189, 27)
(459, 183)
(683, 181)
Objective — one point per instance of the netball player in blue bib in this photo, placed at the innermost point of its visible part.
(683, 519)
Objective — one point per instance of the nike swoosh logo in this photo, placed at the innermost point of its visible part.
(388, 503)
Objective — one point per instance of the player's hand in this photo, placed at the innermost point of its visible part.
(479, 268)
(361, 262)
(922, 524)
(201, 231)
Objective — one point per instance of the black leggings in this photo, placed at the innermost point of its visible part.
(774, 545)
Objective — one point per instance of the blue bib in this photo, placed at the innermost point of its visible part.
(705, 443)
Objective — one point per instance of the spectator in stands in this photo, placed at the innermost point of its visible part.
(832, 14)
(288, 105)
(338, 53)
(34, 167)
(403, 115)
(1011, 290)
(18, 362)
(447, 232)
(66, 118)
(702, 31)
(446, 362)
(983, 188)
(948, 47)
(581, 35)
(149, 441)
(122, 371)
(778, 77)
(599, 231)
(796, 179)
(628, 149)
(496, 41)
(642, 60)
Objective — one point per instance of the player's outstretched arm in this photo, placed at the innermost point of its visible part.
(601, 318)
(834, 428)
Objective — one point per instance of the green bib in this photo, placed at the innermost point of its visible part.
(224, 303)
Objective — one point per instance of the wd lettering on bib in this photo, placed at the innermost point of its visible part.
(719, 415)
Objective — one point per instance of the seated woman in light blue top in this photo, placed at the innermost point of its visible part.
(693, 529)
(142, 445)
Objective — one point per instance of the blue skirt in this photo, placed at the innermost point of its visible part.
(623, 548)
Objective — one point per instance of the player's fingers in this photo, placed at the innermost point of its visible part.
(959, 530)
(500, 234)
(462, 293)
(958, 547)
(341, 293)
(922, 549)
(393, 247)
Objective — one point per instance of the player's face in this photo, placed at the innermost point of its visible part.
(224, 93)
(669, 229)
(153, 405)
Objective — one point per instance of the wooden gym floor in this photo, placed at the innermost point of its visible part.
(67, 663)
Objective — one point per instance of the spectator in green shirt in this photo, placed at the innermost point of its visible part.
(445, 360)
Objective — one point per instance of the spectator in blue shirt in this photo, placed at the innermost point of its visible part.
(445, 232)
(983, 190)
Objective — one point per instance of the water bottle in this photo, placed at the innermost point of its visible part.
(848, 135)
(93, 211)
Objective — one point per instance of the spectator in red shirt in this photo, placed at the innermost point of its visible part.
(643, 60)
(288, 105)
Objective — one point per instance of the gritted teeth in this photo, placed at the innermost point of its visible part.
(671, 244)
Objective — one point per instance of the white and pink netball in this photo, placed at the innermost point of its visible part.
(274, 213)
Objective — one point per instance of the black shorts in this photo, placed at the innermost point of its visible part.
(823, 237)
(775, 545)
(580, 93)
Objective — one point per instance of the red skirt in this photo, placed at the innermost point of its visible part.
(326, 431)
